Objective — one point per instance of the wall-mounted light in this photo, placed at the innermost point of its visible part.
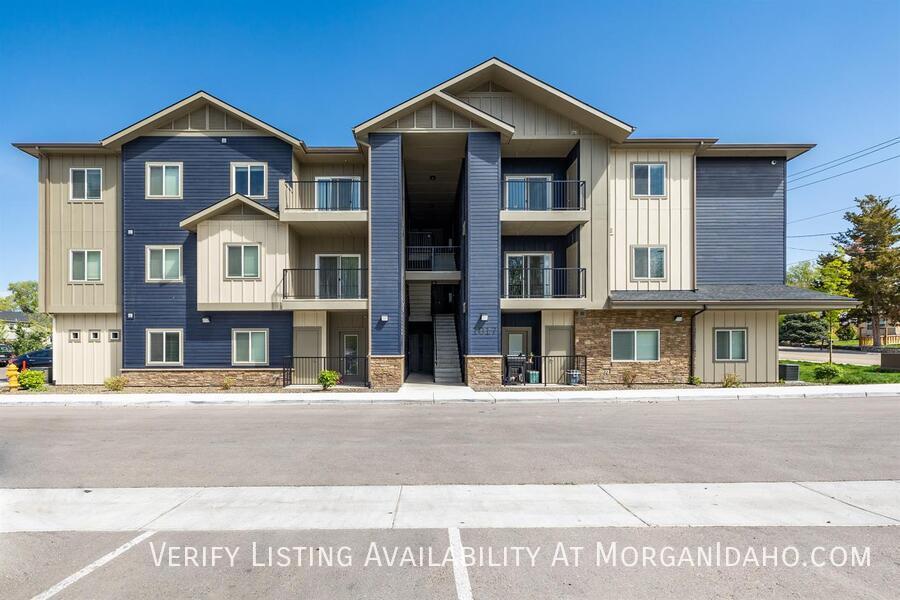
(679, 318)
(384, 318)
(431, 177)
(130, 231)
(129, 316)
(224, 140)
(205, 320)
(483, 317)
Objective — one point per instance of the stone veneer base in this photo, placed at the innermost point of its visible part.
(178, 377)
(484, 372)
(386, 373)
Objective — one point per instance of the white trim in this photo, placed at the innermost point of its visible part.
(340, 282)
(74, 335)
(210, 211)
(338, 177)
(71, 265)
(549, 283)
(91, 337)
(150, 363)
(148, 278)
(634, 333)
(730, 331)
(241, 164)
(649, 164)
(242, 276)
(649, 277)
(234, 360)
(525, 177)
(115, 335)
(72, 198)
(163, 196)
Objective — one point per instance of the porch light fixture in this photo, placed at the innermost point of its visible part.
(205, 320)
(679, 318)
(129, 315)
(483, 317)
(384, 318)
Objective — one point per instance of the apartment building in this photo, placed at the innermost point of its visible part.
(492, 229)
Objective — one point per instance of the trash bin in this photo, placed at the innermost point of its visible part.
(573, 377)
(533, 376)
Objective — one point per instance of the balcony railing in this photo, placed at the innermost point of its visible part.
(432, 258)
(325, 284)
(537, 194)
(544, 283)
(546, 370)
(326, 194)
(304, 370)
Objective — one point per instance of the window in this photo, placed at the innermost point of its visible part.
(85, 265)
(242, 261)
(635, 345)
(731, 345)
(74, 335)
(249, 179)
(164, 347)
(94, 335)
(164, 180)
(529, 275)
(648, 179)
(249, 346)
(163, 263)
(528, 192)
(85, 184)
(648, 262)
(338, 276)
(337, 193)
(115, 335)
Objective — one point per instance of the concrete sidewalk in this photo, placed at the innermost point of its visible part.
(445, 394)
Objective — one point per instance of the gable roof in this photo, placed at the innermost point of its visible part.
(225, 205)
(517, 81)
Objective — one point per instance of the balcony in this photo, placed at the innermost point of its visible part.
(433, 263)
(535, 288)
(325, 289)
(542, 206)
(304, 370)
(325, 205)
(545, 370)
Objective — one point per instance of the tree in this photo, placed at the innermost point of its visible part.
(802, 274)
(833, 278)
(871, 243)
(34, 333)
(802, 328)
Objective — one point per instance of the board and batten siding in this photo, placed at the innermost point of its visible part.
(593, 169)
(761, 365)
(531, 120)
(88, 225)
(217, 292)
(85, 362)
(740, 220)
(666, 221)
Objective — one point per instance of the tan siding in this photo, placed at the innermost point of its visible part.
(85, 362)
(312, 318)
(652, 221)
(212, 286)
(347, 322)
(530, 119)
(593, 165)
(308, 171)
(66, 225)
(761, 365)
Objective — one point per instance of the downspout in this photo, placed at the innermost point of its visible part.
(691, 361)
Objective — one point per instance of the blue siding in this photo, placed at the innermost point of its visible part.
(740, 220)
(386, 245)
(483, 243)
(207, 179)
(555, 244)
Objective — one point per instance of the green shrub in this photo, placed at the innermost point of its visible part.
(32, 380)
(731, 380)
(629, 377)
(116, 383)
(826, 372)
(694, 380)
(847, 332)
(227, 383)
(329, 379)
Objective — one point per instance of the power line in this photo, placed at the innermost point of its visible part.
(847, 155)
(831, 212)
(797, 187)
(814, 235)
(794, 178)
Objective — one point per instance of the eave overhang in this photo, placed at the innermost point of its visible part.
(225, 205)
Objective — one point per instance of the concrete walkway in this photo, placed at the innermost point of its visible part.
(440, 394)
(774, 504)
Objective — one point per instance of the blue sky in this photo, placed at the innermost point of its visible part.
(825, 72)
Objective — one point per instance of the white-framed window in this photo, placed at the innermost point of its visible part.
(163, 263)
(529, 192)
(249, 179)
(242, 261)
(164, 180)
(249, 346)
(528, 275)
(94, 335)
(635, 345)
(115, 335)
(731, 345)
(338, 192)
(338, 276)
(165, 346)
(648, 262)
(648, 179)
(74, 335)
(85, 266)
(85, 184)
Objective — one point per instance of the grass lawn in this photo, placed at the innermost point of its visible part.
(855, 344)
(849, 373)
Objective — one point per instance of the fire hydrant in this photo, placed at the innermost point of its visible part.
(12, 376)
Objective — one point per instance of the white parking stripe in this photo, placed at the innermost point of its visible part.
(460, 572)
(92, 567)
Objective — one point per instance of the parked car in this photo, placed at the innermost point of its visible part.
(6, 352)
(36, 359)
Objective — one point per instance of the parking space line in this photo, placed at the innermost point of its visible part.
(460, 571)
(93, 566)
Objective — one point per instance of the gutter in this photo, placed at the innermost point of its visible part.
(691, 360)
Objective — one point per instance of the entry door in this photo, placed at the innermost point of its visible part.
(559, 354)
(307, 360)
(350, 354)
(516, 345)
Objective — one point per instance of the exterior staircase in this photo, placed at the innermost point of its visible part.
(446, 350)
(419, 301)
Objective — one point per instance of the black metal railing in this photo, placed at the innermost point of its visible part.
(325, 284)
(326, 194)
(564, 282)
(305, 370)
(545, 370)
(432, 258)
(535, 193)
